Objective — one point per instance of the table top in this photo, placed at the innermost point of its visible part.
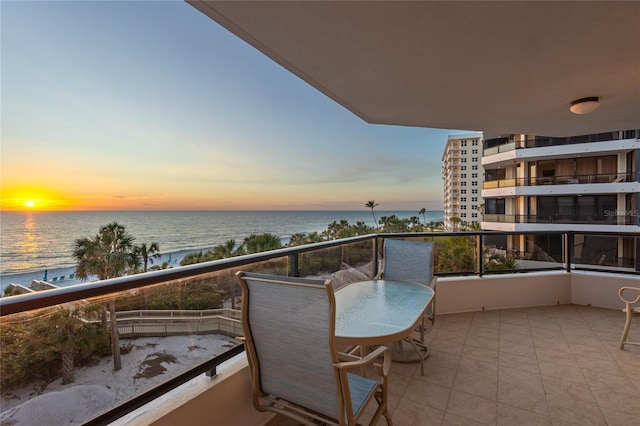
(376, 312)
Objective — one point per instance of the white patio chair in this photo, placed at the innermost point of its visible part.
(289, 326)
(630, 311)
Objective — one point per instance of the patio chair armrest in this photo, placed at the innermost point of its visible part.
(383, 351)
(629, 302)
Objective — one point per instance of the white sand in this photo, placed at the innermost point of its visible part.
(98, 388)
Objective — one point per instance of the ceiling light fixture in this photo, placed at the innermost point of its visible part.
(584, 105)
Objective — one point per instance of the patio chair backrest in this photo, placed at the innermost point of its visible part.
(289, 326)
(408, 261)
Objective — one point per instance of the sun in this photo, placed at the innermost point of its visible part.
(29, 203)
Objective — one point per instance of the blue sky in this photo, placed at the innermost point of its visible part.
(139, 105)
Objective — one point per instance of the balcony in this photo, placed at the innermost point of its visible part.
(532, 344)
(496, 146)
(611, 219)
(592, 178)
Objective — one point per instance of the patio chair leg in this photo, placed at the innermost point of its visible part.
(627, 325)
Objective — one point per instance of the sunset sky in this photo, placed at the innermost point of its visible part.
(123, 105)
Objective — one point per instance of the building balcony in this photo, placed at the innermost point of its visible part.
(533, 344)
(574, 179)
(496, 146)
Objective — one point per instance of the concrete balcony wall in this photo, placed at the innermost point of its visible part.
(221, 400)
(489, 292)
(600, 289)
(469, 294)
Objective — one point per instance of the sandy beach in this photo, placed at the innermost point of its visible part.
(146, 362)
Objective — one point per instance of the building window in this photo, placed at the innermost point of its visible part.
(463, 215)
(475, 142)
(463, 143)
(474, 207)
(474, 167)
(474, 151)
(474, 175)
(463, 191)
(463, 168)
(474, 191)
(463, 207)
(463, 160)
(463, 152)
(463, 183)
(474, 199)
(463, 175)
(474, 183)
(474, 215)
(463, 199)
(474, 159)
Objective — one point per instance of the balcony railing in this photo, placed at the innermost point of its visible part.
(562, 180)
(610, 219)
(497, 146)
(343, 261)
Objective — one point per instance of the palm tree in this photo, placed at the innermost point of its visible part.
(109, 254)
(423, 212)
(148, 253)
(371, 205)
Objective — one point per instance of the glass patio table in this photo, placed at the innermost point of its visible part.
(378, 312)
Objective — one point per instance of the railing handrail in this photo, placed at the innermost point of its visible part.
(47, 298)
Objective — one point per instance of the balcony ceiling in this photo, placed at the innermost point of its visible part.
(497, 67)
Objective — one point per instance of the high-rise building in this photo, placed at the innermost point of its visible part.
(579, 183)
(462, 173)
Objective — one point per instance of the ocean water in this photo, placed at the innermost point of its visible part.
(31, 242)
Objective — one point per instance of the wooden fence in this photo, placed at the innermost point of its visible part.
(176, 323)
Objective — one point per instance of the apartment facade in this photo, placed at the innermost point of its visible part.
(462, 173)
(580, 183)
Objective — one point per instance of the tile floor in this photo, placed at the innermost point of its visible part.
(556, 365)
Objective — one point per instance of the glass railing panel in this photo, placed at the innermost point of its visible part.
(606, 252)
(526, 251)
(342, 264)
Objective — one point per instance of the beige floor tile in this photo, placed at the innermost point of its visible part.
(574, 411)
(520, 378)
(482, 342)
(598, 364)
(545, 333)
(518, 362)
(447, 346)
(515, 328)
(482, 386)
(487, 369)
(523, 398)
(480, 354)
(429, 394)
(617, 418)
(410, 413)
(555, 344)
(618, 401)
(597, 352)
(450, 335)
(569, 373)
(523, 349)
(453, 420)
(473, 408)
(600, 380)
(511, 416)
(515, 337)
(481, 331)
(559, 386)
(558, 357)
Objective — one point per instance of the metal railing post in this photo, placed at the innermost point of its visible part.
(567, 241)
(479, 254)
(293, 265)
